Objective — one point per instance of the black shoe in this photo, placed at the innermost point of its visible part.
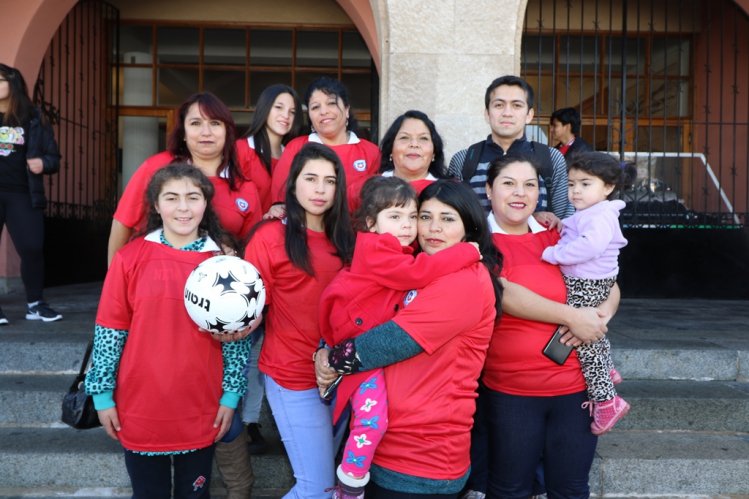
(42, 312)
(3, 319)
(257, 444)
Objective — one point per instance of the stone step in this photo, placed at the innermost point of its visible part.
(686, 405)
(659, 463)
(628, 464)
(62, 459)
(34, 401)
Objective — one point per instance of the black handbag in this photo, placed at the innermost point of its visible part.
(78, 407)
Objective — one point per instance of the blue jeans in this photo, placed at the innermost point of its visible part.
(304, 421)
(253, 398)
(523, 429)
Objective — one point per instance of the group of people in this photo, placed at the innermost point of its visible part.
(399, 291)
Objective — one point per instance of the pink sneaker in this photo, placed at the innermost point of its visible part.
(616, 378)
(607, 414)
(339, 493)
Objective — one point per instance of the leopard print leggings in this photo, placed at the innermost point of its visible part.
(595, 358)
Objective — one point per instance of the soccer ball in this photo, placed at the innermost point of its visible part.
(224, 294)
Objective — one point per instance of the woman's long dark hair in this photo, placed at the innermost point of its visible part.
(213, 108)
(436, 167)
(209, 225)
(260, 118)
(336, 220)
(460, 197)
(20, 107)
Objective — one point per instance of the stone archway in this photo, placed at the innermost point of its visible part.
(361, 14)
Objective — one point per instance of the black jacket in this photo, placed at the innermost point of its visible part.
(41, 144)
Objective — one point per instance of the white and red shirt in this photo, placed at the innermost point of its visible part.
(360, 159)
(431, 396)
(237, 210)
(169, 379)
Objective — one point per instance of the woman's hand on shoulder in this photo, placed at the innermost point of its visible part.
(110, 421)
(223, 421)
(276, 211)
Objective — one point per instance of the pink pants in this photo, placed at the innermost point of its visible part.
(369, 421)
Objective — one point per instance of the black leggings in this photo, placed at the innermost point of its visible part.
(26, 228)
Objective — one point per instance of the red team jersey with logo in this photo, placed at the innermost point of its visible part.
(170, 374)
(253, 169)
(515, 364)
(370, 292)
(360, 159)
(292, 333)
(431, 396)
(237, 210)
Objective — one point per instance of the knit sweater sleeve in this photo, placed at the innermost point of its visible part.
(236, 354)
(455, 169)
(101, 377)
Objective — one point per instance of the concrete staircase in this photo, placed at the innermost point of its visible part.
(685, 364)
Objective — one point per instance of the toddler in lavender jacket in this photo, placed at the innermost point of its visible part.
(588, 255)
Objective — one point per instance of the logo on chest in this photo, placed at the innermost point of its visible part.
(360, 165)
(242, 204)
(410, 296)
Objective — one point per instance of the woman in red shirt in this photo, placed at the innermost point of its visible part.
(533, 407)
(432, 352)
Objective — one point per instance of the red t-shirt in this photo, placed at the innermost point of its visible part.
(360, 159)
(253, 169)
(170, 374)
(369, 292)
(237, 210)
(292, 333)
(431, 395)
(515, 364)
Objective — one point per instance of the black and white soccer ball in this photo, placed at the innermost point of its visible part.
(224, 294)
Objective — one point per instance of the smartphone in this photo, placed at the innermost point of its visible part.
(556, 351)
(328, 393)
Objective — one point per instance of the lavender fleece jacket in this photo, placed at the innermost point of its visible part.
(590, 243)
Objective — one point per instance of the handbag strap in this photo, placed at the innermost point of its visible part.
(86, 356)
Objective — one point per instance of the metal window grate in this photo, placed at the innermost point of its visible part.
(663, 84)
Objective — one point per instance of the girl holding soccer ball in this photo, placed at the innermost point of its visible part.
(165, 390)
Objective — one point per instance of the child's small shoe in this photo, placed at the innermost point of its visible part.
(339, 492)
(606, 414)
(616, 378)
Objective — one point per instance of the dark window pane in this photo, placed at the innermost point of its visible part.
(260, 80)
(537, 53)
(578, 53)
(177, 45)
(135, 45)
(355, 52)
(359, 89)
(669, 98)
(634, 55)
(270, 47)
(304, 79)
(670, 56)
(317, 48)
(242, 121)
(227, 85)
(224, 46)
(176, 85)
